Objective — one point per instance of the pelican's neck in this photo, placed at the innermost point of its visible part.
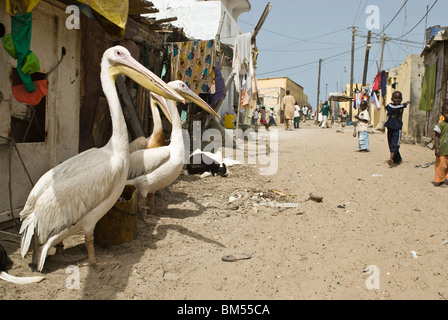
(176, 132)
(119, 140)
(157, 120)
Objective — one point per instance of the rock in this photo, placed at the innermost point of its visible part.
(315, 197)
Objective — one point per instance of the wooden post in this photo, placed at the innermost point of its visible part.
(351, 73)
(135, 126)
(366, 60)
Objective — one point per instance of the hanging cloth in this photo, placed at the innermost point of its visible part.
(429, 88)
(15, 7)
(243, 61)
(377, 82)
(383, 83)
(21, 26)
(31, 98)
(220, 92)
(111, 14)
(193, 62)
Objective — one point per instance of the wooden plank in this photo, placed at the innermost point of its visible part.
(134, 124)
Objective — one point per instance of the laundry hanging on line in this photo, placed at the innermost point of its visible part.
(193, 62)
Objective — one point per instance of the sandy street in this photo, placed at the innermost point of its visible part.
(378, 233)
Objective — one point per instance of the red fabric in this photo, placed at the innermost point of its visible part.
(377, 84)
(31, 98)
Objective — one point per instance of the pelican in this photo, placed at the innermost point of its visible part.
(153, 169)
(157, 138)
(75, 194)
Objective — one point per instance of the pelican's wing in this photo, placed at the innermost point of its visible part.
(67, 168)
(144, 161)
(70, 198)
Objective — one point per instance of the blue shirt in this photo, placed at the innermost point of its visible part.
(394, 116)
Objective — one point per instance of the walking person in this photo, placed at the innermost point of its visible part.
(272, 117)
(394, 124)
(325, 114)
(287, 108)
(296, 116)
(441, 149)
(263, 120)
(362, 127)
(255, 116)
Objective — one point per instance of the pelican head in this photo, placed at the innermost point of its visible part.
(118, 60)
(188, 94)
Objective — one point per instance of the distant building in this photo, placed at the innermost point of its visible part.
(272, 90)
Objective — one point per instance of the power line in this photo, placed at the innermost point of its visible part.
(420, 20)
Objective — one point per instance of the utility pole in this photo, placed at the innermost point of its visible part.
(351, 73)
(318, 87)
(382, 52)
(366, 61)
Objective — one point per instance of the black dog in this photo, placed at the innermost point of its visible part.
(5, 262)
(214, 167)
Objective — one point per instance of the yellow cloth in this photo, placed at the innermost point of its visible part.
(15, 7)
(115, 11)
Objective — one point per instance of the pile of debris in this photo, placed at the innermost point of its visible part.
(243, 199)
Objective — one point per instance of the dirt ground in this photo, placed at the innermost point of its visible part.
(375, 222)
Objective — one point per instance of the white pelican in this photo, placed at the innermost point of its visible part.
(74, 195)
(157, 138)
(153, 169)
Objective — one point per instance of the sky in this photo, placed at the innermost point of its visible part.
(296, 34)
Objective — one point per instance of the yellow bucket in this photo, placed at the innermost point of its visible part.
(119, 225)
(228, 121)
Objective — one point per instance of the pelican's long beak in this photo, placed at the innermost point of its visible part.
(193, 97)
(161, 101)
(144, 77)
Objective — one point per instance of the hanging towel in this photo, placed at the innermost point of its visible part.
(243, 61)
(21, 26)
(429, 88)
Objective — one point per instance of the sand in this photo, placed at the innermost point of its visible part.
(378, 233)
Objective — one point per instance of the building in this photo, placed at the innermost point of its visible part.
(435, 55)
(272, 90)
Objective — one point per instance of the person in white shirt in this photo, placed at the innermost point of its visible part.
(304, 113)
(362, 127)
(296, 116)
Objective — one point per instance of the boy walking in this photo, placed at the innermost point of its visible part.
(394, 124)
(362, 127)
(441, 147)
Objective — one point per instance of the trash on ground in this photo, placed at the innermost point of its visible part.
(233, 258)
(426, 165)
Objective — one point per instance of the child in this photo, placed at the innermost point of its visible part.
(394, 124)
(441, 146)
(362, 127)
